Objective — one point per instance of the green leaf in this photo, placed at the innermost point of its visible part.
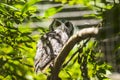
(52, 11)
(28, 4)
(9, 6)
(28, 45)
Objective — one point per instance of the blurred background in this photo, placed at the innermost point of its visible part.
(23, 22)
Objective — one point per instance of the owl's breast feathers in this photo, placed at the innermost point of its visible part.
(48, 48)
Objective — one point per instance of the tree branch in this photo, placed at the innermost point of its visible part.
(79, 50)
(79, 36)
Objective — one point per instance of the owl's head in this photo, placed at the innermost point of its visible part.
(62, 25)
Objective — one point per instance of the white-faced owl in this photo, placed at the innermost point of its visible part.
(50, 44)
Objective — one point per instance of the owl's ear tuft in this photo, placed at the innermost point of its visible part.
(55, 23)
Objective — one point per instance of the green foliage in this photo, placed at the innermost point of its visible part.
(86, 64)
(17, 45)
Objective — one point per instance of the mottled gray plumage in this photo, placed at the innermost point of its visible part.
(51, 43)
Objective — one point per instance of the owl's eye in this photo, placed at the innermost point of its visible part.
(70, 28)
(67, 24)
(56, 23)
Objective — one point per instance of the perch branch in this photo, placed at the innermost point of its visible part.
(79, 50)
(79, 36)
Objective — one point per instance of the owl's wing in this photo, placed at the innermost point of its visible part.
(43, 57)
(47, 49)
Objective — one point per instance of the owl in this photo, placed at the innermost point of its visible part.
(50, 44)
